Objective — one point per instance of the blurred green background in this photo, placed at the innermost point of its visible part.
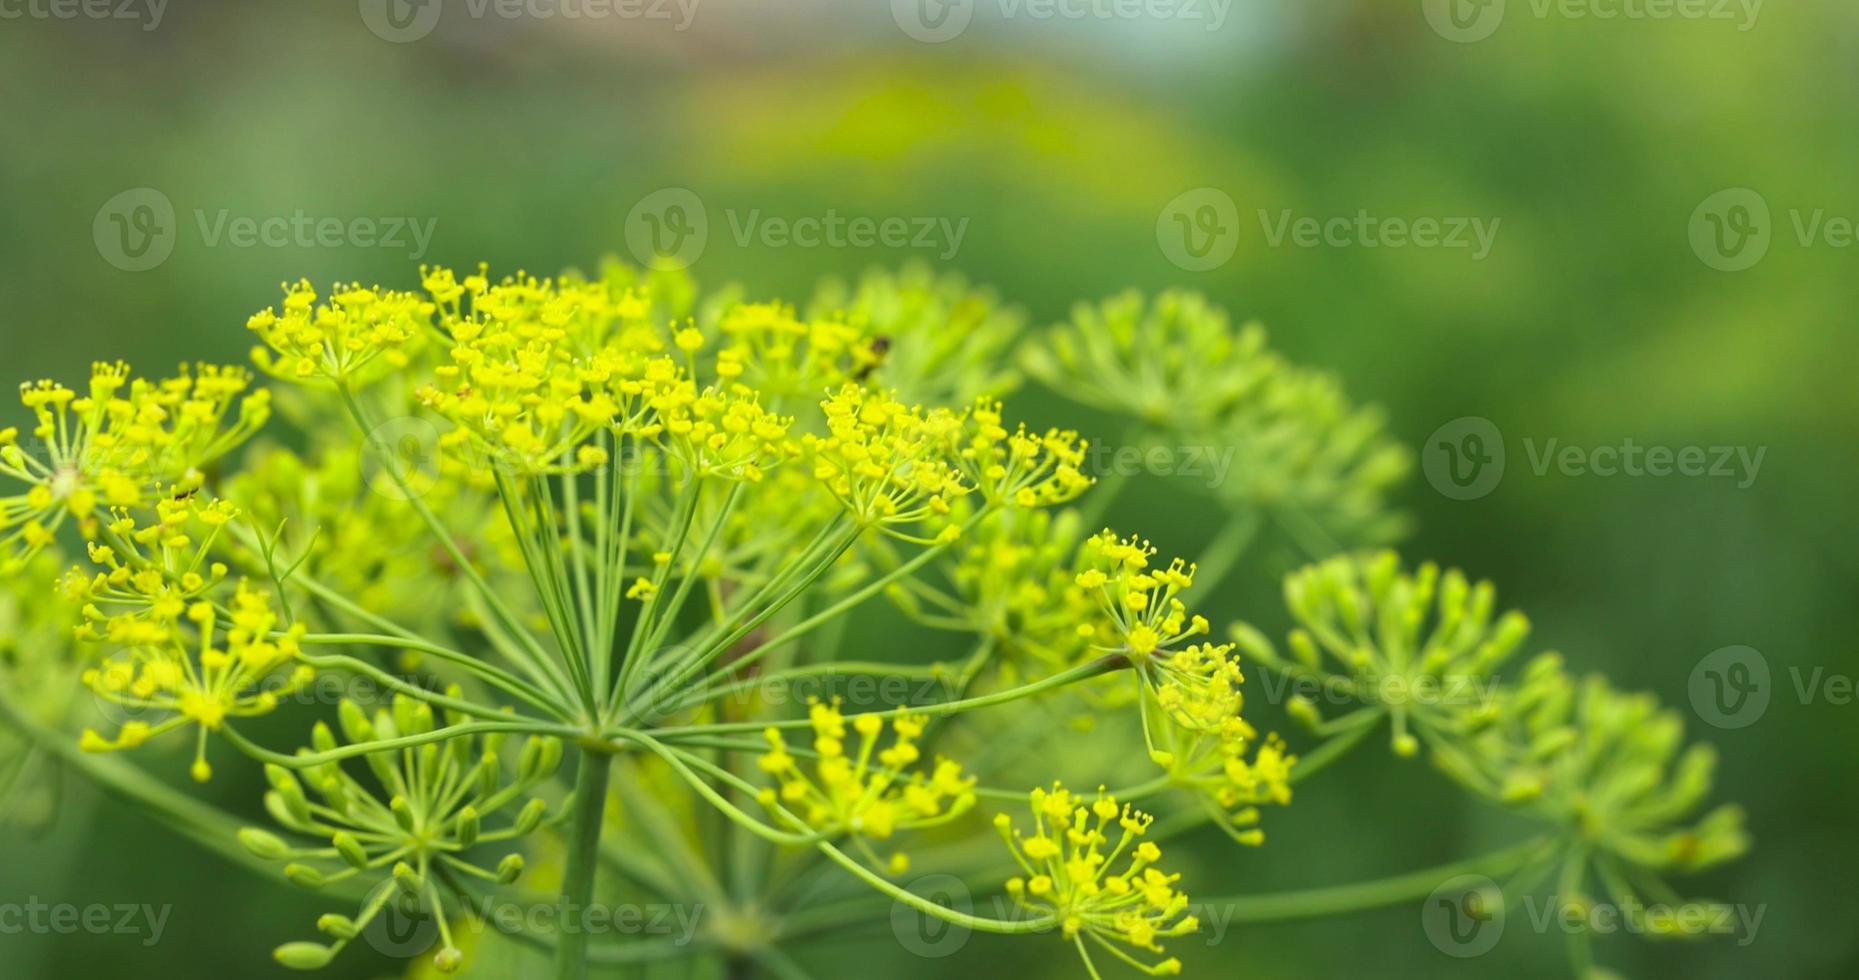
(1060, 141)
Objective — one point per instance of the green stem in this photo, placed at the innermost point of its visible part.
(929, 908)
(1341, 899)
(583, 861)
(1225, 550)
(1102, 665)
(465, 567)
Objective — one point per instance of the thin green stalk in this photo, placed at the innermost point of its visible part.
(1102, 665)
(929, 908)
(509, 683)
(582, 864)
(1225, 550)
(470, 571)
(1342, 899)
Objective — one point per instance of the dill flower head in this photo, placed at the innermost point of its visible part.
(1013, 580)
(202, 672)
(1611, 767)
(118, 445)
(358, 335)
(1292, 443)
(1321, 464)
(931, 336)
(1420, 647)
(889, 464)
(416, 827)
(1017, 467)
(1173, 363)
(861, 789)
(1139, 604)
(1111, 894)
(768, 346)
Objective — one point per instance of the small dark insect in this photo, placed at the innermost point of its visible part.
(880, 346)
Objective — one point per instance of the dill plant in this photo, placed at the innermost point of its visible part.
(587, 540)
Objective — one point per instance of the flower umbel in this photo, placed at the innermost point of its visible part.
(1073, 875)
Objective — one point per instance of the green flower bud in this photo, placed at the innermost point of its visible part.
(337, 926)
(467, 829)
(304, 875)
(403, 813)
(408, 879)
(530, 817)
(303, 956)
(350, 849)
(354, 721)
(509, 868)
(264, 845)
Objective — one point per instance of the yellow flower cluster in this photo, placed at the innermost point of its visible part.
(867, 791)
(889, 464)
(1072, 877)
(765, 345)
(358, 335)
(1014, 582)
(118, 445)
(1140, 602)
(728, 435)
(1018, 467)
(149, 576)
(158, 674)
